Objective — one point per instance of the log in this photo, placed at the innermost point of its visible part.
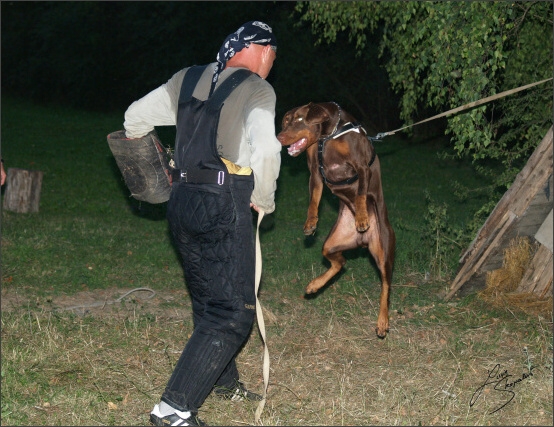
(22, 190)
(538, 277)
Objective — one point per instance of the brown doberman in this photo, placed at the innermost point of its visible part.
(342, 156)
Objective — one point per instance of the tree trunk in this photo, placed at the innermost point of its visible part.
(22, 190)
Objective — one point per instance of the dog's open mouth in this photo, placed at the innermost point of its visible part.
(296, 148)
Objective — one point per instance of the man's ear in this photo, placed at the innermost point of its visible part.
(267, 52)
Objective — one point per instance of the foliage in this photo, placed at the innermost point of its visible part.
(441, 55)
(443, 239)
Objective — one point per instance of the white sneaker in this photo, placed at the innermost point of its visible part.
(178, 418)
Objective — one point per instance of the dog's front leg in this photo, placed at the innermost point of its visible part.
(316, 190)
(360, 202)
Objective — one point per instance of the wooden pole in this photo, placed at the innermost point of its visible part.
(22, 190)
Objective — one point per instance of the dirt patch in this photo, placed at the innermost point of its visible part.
(105, 302)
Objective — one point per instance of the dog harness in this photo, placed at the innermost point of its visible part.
(347, 127)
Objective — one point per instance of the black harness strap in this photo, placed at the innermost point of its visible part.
(223, 91)
(230, 83)
(347, 127)
(213, 103)
(192, 76)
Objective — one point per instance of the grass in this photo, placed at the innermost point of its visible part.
(90, 233)
(327, 366)
(108, 365)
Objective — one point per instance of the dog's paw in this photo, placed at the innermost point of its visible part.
(381, 330)
(312, 288)
(381, 333)
(362, 221)
(362, 226)
(309, 231)
(309, 290)
(310, 226)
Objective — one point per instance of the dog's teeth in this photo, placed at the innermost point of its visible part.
(297, 147)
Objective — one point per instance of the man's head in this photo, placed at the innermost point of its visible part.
(258, 45)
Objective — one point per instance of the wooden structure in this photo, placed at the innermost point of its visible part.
(524, 210)
(22, 190)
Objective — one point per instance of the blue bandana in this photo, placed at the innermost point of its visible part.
(252, 32)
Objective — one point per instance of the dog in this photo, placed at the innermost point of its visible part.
(341, 156)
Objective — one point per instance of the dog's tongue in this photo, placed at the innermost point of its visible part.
(296, 148)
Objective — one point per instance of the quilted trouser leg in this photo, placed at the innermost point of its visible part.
(214, 234)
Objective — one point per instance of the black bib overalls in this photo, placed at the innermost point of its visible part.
(211, 223)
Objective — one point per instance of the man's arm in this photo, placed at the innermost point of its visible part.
(266, 157)
(157, 108)
(151, 110)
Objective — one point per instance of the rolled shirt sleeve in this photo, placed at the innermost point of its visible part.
(265, 158)
(157, 108)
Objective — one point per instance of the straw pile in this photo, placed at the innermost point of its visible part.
(501, 284)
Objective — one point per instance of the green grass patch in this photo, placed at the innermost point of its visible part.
(91, 233)
(108, 364)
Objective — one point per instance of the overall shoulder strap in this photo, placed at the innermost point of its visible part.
(225, 89)
(190, 80)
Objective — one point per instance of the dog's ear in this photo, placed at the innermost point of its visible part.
(316, 114)
(287, 118)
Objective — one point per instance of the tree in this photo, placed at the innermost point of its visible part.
(440, 55)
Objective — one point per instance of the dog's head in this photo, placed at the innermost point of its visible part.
(304, 126)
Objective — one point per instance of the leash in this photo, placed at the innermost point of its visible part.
(115, 301)
(260, 318)
(462, 108)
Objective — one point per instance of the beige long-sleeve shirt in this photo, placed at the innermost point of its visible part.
(246, 131)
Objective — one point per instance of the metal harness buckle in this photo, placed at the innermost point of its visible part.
(220, 178)
(184, 176)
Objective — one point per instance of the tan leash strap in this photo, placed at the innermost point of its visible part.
(260, 318)
(467, 106)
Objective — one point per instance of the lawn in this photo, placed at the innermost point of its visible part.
(67, 360)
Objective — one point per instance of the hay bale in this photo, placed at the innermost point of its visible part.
(502, 284)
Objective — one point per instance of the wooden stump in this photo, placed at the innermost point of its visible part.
(22, 190)
(538, 277)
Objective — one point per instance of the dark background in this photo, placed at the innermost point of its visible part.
(102, 56)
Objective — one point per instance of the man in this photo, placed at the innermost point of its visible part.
(211, 224)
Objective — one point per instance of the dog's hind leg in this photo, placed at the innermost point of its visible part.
(342, 236)
(381, 245)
